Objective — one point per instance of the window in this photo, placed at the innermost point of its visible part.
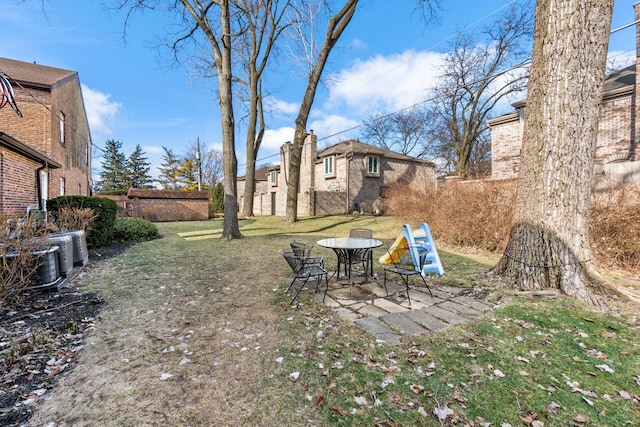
(62, 186)
(373, 165)
(79, 190)
(328, 166)
(62, 128)
(273, 178)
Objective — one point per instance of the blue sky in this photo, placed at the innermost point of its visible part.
(385, 61)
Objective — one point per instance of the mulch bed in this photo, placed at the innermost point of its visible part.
(39, 339)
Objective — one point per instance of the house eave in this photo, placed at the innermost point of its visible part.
(28, 152)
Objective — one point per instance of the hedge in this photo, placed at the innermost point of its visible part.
(105, 210)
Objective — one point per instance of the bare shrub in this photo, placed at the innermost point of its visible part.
(614, 228)
(462, 213)
(19, 240)
(73, 218)
(478, 214)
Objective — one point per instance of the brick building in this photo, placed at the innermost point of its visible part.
(48, 150)
(617, 149)
(347, 176)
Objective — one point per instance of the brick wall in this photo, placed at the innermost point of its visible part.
(330, 203)
(615, 137)
(159, 210)
(39, 128)
(18, 185)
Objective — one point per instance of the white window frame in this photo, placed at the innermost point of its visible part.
(329, 166)
(62, 133)
(273, 178)
(373, 165)
(62, 186)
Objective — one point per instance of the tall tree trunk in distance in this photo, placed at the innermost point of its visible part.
(548, 244)
(335, 28)
(230, 228)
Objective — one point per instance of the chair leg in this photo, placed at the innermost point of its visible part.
(326, 288)
(385, 282)
(425, 283)
(299, 290)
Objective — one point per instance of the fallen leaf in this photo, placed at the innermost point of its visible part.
(319, 400)
(529, 419)
(625, 395)
(522, 359)
(360, 400)
(580, 419)
(606, 368)
(164, 377)
(589, 402)
(499, 373)
(553, 407)
(608, 335)
(337, 410)
(417, 388)
(442, 412)
(293, 376)
(537, 423)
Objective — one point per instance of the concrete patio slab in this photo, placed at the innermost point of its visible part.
(402, 323)
(378, 328)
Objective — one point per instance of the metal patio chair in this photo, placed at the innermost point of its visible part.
(304, 270)
(365, 256)
(303, 251)
(405, 272)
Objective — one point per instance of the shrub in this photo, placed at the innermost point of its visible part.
(19, 239)
(134, 230)
(474, 214)
(216, 202)
(104, 209)
(614, 229)
(478, 214)
(72, 218)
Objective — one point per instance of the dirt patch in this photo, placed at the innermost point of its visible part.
(40, 338)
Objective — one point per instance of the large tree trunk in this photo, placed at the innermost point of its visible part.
(548, 244)
(230, 229)
(335, 28)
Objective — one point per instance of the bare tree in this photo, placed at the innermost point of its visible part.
(405, 132)
(548, 244)
(210, 19)
(335, 28)
(262, 21)
(478, 75)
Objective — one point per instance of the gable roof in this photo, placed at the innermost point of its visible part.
(26, 151)
(353, 146)
(621, 79)
(259, 175)
(32, 74)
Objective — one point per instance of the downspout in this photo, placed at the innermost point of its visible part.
(348, 157)
(38, 187)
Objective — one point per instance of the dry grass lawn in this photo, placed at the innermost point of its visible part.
(190, 333)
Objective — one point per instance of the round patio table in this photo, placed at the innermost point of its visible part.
(347, 250)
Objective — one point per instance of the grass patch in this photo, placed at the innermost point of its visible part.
(199, 332)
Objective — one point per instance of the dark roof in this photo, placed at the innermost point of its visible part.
(18, 147)
(620, 79)
(260, 174)
(32, 74)
(167, 194)
(358, 147)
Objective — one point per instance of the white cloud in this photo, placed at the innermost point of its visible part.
(274, 138)
(336, 125)
(282, 107)
(617, 59)
(385, 83)
(100, 110)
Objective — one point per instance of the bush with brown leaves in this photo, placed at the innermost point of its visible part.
(478, 214)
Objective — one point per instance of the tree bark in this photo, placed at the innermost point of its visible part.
(548, 244)
(230, 228)
(335, 28)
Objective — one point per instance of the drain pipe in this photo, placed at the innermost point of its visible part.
(39, 187)
(348, 157)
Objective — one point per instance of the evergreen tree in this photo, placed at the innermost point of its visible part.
(168, 177)
(188, 174)
(112, 176)
(137, 171)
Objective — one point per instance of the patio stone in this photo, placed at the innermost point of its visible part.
(372, 310)
(347, 314)
(402, 323)
(480, 306)
(388, 306)
(425, 319)
(378, 328)
(459, 308)
(445, 315)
